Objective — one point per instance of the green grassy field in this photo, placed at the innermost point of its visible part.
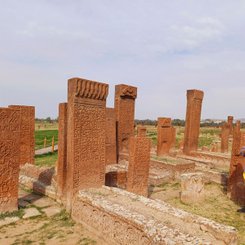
(41, 134)
(207, 136)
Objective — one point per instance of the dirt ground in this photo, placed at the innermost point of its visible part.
(47, 228)
(217, 206)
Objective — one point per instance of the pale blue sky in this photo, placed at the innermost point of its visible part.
(163, 47)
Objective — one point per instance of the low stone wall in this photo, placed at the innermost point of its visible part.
(39, 179)
(121, 217)
(218, 160)
(175, 169)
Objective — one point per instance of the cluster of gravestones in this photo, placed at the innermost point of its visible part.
(92, 136)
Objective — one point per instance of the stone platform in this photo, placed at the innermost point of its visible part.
(121, 217)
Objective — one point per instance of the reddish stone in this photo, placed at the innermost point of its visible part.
(27, 133)
(225, 132)
(10, 123)
(116, 179)
(86, 135)
(139, 164)
(192, 122)
(125, 96)
(165, 136)
(62, 151)
(111, 150)
(242, 139)
(230, 123)
(141, 131)
(236, 183)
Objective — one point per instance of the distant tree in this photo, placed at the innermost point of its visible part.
(48, 120)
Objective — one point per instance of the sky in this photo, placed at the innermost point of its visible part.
(163, 47)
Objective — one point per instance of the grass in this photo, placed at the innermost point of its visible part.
(18, 213)
(41, 134)
(207, 136)
(46, 126)
(46, 160)
(216, 206)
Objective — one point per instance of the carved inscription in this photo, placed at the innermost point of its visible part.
(125, 109)
(9, 158)
(111, 153)
(110, 227)
(225, 132)
(236, 187)
(27, 133)
(193, 117)
(165, 136)
(139, 164)
(86, 135)
(89, 146)
(62, 151)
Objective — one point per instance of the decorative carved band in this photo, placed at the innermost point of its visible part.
(91, 90)
(127, 91)
(164, 121)
(195, 94)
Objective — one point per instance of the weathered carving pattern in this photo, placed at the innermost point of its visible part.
(141, 131)
(108, 225)
(89, 146)
(27, 133)
(9, 158)
(125, 108)
(236, 187)
(225, 132)
(230, 123)
(193, 117)
(139, 164)
(85, 135)
(165, 136)
(62, 153)
(91, 90)
(111, 151)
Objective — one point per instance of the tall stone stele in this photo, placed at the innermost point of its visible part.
(225, 132)
(139, 164)
(236, 186)
(230, 123)
(125, 96)
(10, 123)
(192, 121)
(62, 152)
(27, 133)
(165, 136)
(86, 135)
(111, 148)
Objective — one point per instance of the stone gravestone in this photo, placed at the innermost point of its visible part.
(236, 183)
(10, 122)
(165, 136)
(27, 133)
(192, 188)
(125, 96)
(111, 150)
(192, 122)
(225, 132)
(139, 165)
(86, 135)
(230, 123)
(62, 151)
